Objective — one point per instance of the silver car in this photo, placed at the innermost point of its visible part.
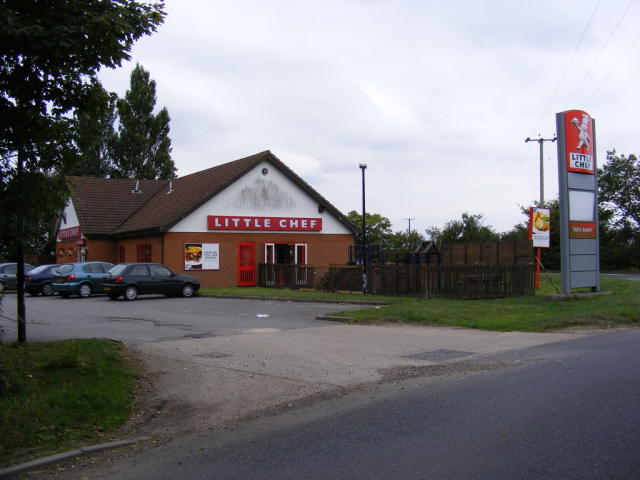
(9, 274)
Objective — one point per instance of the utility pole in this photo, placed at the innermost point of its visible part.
(363, 167)
(409, 219)
(541, 143)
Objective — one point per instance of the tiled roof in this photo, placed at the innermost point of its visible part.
(108, 206)
(102, 204)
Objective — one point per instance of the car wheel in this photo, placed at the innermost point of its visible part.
(2, 287)
(112, 296)
(84, 291)
(187, 290)
(130, 293)
(47, 289)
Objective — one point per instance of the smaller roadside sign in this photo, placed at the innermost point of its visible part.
(540, 227)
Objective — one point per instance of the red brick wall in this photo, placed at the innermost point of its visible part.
(321, 250)
(98, 250)
(131, 250)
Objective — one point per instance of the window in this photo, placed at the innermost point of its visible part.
(122, 254)
(143, 253)
(141, 270)
(159, 271)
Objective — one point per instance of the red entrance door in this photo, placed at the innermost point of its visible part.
(246, 265)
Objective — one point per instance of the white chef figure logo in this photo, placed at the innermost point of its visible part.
(583, 134)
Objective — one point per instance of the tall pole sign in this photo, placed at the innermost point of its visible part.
(579, 238)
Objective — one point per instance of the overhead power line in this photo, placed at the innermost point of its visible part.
(635, 40)
(595, 60)
(566, 69)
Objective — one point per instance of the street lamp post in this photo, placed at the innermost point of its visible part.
(363, 167)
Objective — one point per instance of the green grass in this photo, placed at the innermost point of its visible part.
(309, 294)
(534, 314)
(56, 393)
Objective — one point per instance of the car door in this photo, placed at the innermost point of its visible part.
(93, 273)
(162, 279)
(139, 276)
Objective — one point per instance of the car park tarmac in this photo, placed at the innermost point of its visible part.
(212, 361)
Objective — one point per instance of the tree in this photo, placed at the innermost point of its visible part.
(378, 227)
(93, 132)
(142, 146)
(469, 229)
(619, 197)
(619, 189)
(405, 241)
(49, 52)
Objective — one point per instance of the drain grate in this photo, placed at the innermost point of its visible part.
(439, 355)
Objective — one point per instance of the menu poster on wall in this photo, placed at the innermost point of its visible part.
(201, 256)
(540, 227)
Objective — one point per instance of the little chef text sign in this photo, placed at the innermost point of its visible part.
(579, 141)
(294, 224)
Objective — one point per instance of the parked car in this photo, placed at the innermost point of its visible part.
(40, 280)
(9, 274)
(82, 278)
(133, 279)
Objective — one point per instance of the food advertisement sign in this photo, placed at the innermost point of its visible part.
(201, 256)
(540, 227)
(579, 141)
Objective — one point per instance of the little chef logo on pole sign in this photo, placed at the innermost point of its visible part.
(579, 139)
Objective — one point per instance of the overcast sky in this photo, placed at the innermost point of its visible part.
(435, 97)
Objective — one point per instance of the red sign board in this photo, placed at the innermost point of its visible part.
(286, 224)
(578, 127)
(582, 230)
(67, 233)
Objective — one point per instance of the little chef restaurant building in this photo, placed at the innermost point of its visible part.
(217, 224)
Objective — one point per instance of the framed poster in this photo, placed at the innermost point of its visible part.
(540, 227)
(201, 256)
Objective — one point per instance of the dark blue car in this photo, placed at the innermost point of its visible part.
(40, 280)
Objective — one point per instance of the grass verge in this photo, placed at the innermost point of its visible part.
(55, 395)
(533, 314)
(527, 314)
(302, 293)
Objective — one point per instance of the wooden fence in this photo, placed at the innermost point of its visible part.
(488, 253)
(469, 282)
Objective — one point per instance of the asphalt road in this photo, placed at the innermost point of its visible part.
(156, 318)
(561, 411)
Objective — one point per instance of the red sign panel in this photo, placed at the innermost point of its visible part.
(582, 230)
(578, 127)
(293, 224)
(67, 233)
